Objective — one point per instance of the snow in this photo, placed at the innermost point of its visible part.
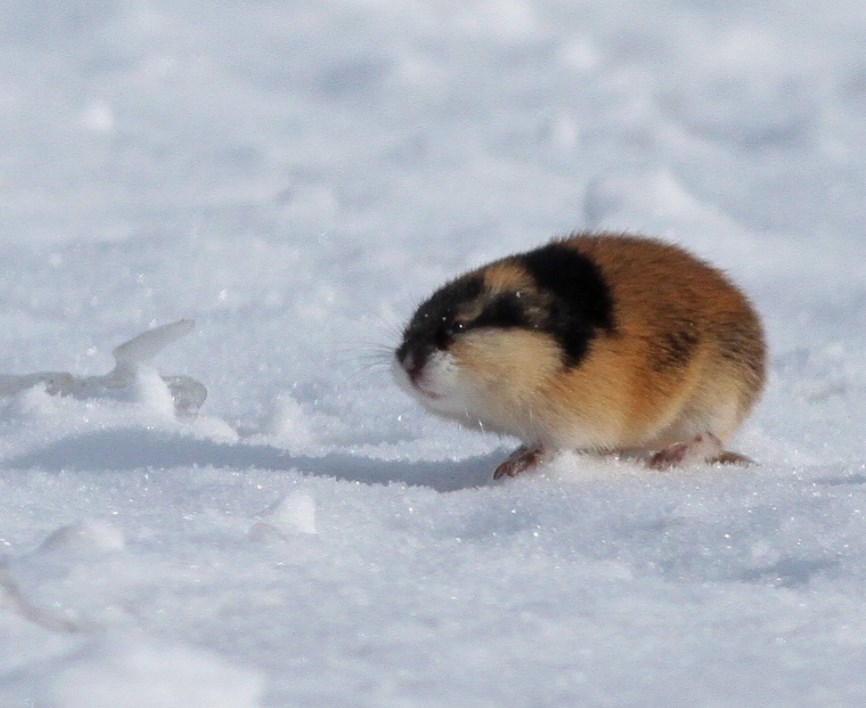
(296, 177)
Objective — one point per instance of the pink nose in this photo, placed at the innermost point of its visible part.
(413, 368)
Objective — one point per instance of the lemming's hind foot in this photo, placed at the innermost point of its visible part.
(705, 447)
(522, 459)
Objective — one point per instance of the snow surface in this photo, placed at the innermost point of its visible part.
(296, 177)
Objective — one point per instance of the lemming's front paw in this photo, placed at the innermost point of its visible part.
(522, 459)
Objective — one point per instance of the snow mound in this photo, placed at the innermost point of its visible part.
(133, 670)
(295, 512)
(84, 535)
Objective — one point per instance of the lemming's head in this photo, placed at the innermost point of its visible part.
(493, 336)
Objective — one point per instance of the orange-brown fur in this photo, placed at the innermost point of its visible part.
(620, 397)
(673, 362)
(666, 288)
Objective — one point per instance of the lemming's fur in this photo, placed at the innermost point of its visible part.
(592, 342)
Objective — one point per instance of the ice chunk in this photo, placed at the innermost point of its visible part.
(143, 348)
(132, 366)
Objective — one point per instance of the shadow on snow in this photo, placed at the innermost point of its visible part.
(128, 449)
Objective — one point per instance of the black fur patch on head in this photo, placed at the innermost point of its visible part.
(433, 324)
(582, 301)
(674, 349)
(504, 311)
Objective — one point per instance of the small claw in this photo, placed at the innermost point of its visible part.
(733, 458)
(671, 456)
(522, 459)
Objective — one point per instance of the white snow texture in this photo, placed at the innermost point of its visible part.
(296, 177)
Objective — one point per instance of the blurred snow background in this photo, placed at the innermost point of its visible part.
(296, 177)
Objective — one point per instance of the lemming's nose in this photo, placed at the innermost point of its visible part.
(410, 362)
(413, 368)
